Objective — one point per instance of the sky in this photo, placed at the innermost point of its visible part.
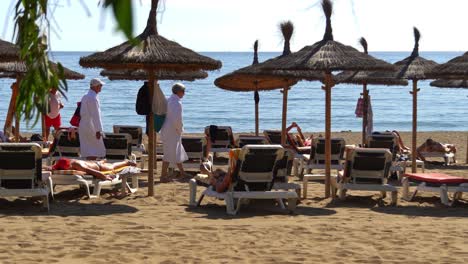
(222, 25)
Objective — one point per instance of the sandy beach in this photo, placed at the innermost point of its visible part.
(163, 229)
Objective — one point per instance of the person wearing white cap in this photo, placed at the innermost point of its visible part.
(90, 128)
(171, 133)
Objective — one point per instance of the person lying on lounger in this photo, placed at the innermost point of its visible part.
(434, 146)
(94, 168)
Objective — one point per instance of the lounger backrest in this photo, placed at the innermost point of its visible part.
(273, 136)
(251, 140)
(255, 167)
(223, 138)
(118, 146)
(284, 166)
(20, 165)
(383, 140)
(136, 132)
(66, 144)
(195, 147)
(366, 165)
(338, 146)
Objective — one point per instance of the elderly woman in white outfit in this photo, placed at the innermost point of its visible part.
(171, 133)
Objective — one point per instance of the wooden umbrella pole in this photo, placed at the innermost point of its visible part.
(44, 134)
(415, 126)
(466, 160)
(365, 97)
(284, 117)
(7, 129)
(151, 139)
(17, 127)
(328, 86)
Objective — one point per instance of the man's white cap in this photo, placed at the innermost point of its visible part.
(95, 82)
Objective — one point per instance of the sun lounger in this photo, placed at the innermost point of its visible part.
(243, 140)
(73, 177)
(66, 145)
(221, 137)
(21, 172)
(196, 149)
(302, 154)
(118, 147)
(317, 161)
(367, 169)
(138, 148)
(253, 178)
(435, 182)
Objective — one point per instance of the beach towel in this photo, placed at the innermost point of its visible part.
(359, 108)
(159, 107)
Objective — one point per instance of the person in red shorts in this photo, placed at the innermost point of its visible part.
(53, 119)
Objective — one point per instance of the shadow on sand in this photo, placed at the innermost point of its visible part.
(255, 209)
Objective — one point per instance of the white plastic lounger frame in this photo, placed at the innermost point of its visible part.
(120, 149)
(138, 148)
(243, 140)
(89, 181)
(233, 199)
(379, 161)
(443, 191)
(19, 162)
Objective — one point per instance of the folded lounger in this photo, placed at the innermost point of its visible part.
(73, 177)
(21, 171)
(252, 178)
(367, 169)
(435, 182)
(317, 161)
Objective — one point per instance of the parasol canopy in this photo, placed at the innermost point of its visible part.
(9, 51)
(141, 75)
(152, 51)
(13, 68)
(442, 83)
(367, 77)
(456, 68)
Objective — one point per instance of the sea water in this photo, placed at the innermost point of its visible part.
(205, 104)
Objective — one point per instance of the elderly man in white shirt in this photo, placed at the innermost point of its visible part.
(90, 129)
(171, 133)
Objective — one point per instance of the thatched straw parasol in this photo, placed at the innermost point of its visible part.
(259, 77)
(9, 51)
(456, 68)
(365, 78)
(141, 75)
(415, 68)
(152, 53)
(15, 70)
(441, 83)
(326, 56)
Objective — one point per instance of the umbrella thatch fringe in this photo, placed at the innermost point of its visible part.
(9, 51)
(363, 43)
(417, 37)
(287, 30)
(255, 58)
(450, 83)
(327, 7)
(142, 75)
(20, 68)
